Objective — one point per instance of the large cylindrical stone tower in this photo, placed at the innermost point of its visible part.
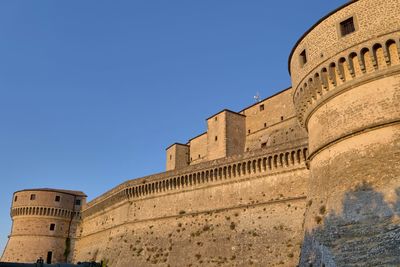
(346, 75)
(44, 225)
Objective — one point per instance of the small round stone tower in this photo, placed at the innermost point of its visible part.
(44, 225)
(346, 75)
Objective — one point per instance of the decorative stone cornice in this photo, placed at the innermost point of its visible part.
(369, 60)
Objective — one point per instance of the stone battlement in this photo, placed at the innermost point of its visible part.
(358, 64)
(202, 175)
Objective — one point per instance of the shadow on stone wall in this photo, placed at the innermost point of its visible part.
(367, 233)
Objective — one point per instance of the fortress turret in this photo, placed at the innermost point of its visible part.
(44, 225)
(346, 77)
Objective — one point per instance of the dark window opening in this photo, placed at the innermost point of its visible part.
(248, 131)
(261, 107)
(216, 138)
(347, 26)
(265, 124)
(170, 157)
(52, 226)
(57, 199)
(303, 57)
(15, 198)
(49, 257)
(263, 145)
(216, 118)
(78, 202)
(33, 197)
(199, 155)
(281, 118)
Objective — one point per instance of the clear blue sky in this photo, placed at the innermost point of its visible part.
(92, 92)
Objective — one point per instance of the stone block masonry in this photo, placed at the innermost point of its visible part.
(306, 177)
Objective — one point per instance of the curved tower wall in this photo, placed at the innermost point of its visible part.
(347, 96)
(32, 236)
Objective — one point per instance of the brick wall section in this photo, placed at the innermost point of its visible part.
(235, 134)
(198, 149)
(177, 156)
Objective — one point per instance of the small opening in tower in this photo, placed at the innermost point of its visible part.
(216, 138)
(263, 145)
(199, 156)
(15, 198)
(265, 124)
(216, 118)
(262, 107)
(33, 196)
(281, 118)
(57, 199)
(303, 57)
(170, 157)
(347, 26)
(78, 202)
(248, 131)
(52, 226)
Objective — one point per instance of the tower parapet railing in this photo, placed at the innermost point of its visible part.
(361, 62)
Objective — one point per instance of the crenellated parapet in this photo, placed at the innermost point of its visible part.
(355, 65)
(199, 176)
(349, 46)
(45, 211)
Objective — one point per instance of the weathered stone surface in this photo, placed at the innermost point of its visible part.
(309, 176)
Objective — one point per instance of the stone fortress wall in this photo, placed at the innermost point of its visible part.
(309, 175)
(43, 219)
(234, 211)
(346, 78)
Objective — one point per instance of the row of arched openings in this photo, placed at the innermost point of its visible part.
(345, 68)
(44, 211)
(249, 167)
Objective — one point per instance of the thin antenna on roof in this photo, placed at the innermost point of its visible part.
(257, 97)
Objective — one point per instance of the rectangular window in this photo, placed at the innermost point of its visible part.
(303, 58)
(248, 131)
(216, 118)
(261, 107)
(33, 196)
(52, 226)
(347, 26)
(57, 199)
(216, 138)
(170, 157)
(78, 202)
(265, 125)
(15, 198)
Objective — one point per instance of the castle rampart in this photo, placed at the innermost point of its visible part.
(201, 175)
(309, 175)
(193, 216)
